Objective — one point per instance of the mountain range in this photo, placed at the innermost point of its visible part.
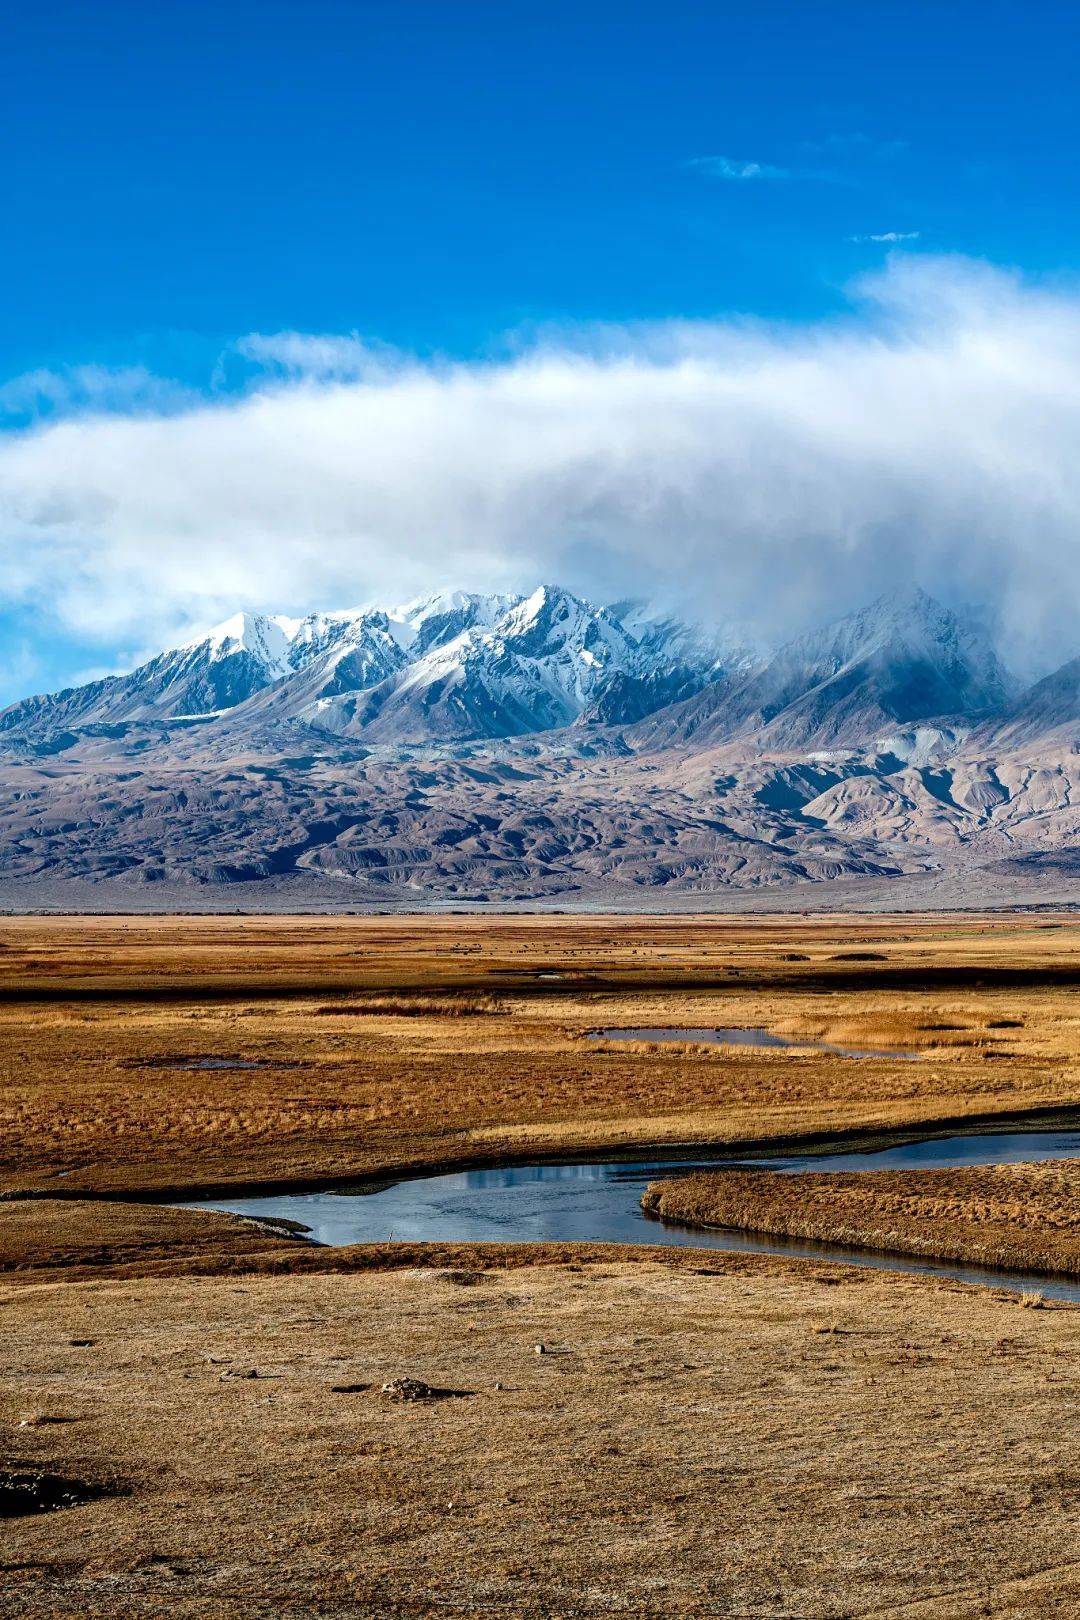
(531, 748)
(453, 666)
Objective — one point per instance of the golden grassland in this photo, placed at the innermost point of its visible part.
(736, 1436)
(1020, 1217)
(704, 1434)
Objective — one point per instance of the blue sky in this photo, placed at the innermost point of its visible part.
(434, 174)
(454, 179)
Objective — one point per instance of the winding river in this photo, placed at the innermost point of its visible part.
(599, 1201)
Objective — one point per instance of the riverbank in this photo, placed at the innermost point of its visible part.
(1017, 1217)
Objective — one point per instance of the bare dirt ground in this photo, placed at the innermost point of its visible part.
(702, 1434)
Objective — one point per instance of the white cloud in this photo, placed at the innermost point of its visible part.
(722, 168)
(780, 471)
(323, 357)
(891, 237)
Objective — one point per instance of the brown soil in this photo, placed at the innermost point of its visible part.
(1021, 1217)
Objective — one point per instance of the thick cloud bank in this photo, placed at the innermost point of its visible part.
(776, 472)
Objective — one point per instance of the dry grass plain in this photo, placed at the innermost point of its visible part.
(724, 1437)
(390, 1043)
(707, 1434)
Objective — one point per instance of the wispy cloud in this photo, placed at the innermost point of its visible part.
(323, 356)
(741, 170)
(887, 236)
(724, 168)
(849, 153)
(77, 389)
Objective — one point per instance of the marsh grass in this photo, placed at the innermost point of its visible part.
(1017, 1217)
(413, 1006)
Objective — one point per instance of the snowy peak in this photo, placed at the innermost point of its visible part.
(901, 639)
(431, 621)
(909, 619)
(206, 676)
(266, 640)
(367, 640)
(531, 667)
(553, 625)
(317, 633)
(548, 611)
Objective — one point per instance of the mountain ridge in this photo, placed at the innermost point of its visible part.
(465, 664)
(457, 664)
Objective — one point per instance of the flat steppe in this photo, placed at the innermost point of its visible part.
(140, 1056)
(703, 1433)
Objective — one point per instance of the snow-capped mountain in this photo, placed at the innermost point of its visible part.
(376, 750)
(212, 673)
(903, 659)
(432, 621)
(330, 654)
(449, 666)
(533, 667)
(679, 660)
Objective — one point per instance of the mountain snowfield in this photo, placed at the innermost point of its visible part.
(538, 747)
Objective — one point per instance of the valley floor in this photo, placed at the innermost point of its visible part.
(702, 1434)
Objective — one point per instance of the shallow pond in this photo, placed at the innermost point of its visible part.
(600, 1201)
(713, 1036)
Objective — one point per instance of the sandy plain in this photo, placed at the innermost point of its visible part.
(703, 1434)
